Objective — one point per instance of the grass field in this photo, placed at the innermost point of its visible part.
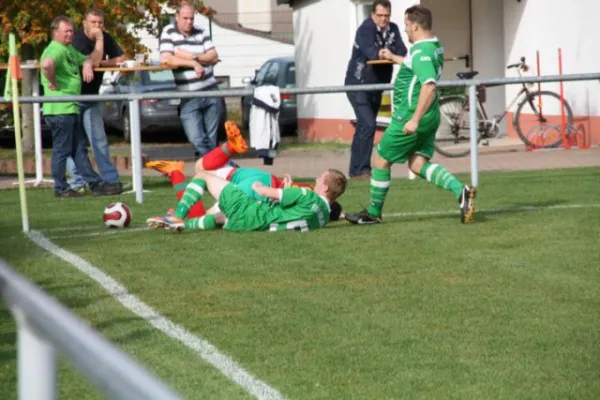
(420, 307)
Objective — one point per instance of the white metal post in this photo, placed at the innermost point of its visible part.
(473, 135)
(36, 363)
(136, 150)
(37, 129)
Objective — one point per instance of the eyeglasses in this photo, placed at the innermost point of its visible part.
(382, 15)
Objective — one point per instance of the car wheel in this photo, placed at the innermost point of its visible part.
(126, 127)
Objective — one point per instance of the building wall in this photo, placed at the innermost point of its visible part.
(546, 25)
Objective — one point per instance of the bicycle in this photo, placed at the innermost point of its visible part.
(452, 137)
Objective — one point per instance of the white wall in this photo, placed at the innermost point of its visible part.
(240, 53)
(323, 34)
(255, 14)
(546, 25)
(488, 46)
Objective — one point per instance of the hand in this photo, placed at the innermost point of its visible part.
(96, 33)
(256, 186)
(386, 54)
(411, 126)
(52, 85)
(87, 72)
(287, 180)
(199, 70)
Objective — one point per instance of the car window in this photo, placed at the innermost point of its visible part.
(272, 74)
(260, 75)
(123, 80)
(290, 76)
(164, 76)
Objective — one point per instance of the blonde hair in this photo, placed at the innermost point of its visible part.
(336, 183)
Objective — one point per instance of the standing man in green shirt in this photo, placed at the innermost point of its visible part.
(411, 133)
(61, 75)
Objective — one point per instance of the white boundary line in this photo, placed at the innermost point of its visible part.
(226, 365)
(141, 228)
(493, 210)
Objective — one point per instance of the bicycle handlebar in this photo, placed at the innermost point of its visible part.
(520, 65)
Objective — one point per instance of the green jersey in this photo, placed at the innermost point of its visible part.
(299, 209)
(423, 64)
(67, 65)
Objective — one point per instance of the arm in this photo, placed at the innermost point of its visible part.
(96, 54)
(48, 69)
(208, 58)
(386, 54)
(399, 46)
(365, 39)
(426, 96)
(271, 193)
(113, 51)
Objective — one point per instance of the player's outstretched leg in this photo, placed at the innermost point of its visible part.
(381, 179)
(219, 156)
(442, 178)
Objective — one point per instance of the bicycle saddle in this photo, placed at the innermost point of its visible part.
(467, 75)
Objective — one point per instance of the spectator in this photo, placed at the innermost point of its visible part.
(373, 35)
(189, 50)
(61, 76)
(91, 112)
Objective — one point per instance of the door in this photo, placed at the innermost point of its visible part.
(452, 26)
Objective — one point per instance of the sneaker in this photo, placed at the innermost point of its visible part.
(166, 167)
(168, 222)
(67, 193)
(79, 189)
(362, 218)
(235, 139)
(467, 204)
(106, 189)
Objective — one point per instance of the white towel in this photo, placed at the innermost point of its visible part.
(264, 118)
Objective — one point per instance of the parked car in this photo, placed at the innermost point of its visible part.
(281, 72)
(155, 115)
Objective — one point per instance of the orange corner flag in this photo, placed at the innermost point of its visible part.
(14, 65)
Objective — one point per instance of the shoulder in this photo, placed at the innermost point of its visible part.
(169, 29)
(394, 27)
(367, 25)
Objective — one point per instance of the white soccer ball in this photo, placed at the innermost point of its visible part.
(117, 215)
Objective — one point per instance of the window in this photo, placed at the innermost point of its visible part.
(164, 76)
(290, 76)
(272, 74)
(262, 72)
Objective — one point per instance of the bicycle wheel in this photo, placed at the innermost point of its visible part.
(452, 137)
(541, 126)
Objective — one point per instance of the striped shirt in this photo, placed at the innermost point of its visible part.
(198, 42)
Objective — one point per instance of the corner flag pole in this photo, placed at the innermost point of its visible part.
(15, 74)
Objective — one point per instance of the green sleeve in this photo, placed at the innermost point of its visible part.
(423, 66)
(291, 196)
(79, 57)
(56, 53)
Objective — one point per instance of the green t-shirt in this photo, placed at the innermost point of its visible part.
(423, 63)
(67, 67)
(300, 209)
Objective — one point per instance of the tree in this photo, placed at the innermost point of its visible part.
(30, 21)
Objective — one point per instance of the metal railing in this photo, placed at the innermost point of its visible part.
(135, 98)
(45, 328)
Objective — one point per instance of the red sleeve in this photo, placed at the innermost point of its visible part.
(276, 183)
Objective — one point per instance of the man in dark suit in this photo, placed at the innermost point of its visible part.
(373, 35)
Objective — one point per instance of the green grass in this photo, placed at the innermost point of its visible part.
(420, 307)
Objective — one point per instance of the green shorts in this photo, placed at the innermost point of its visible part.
(244, 213)
(245, 177)
(397, 147)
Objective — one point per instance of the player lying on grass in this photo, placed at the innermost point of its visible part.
(296, 209)
(243, 177)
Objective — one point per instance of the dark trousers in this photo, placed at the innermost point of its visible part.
(366, 106)
(68, 140)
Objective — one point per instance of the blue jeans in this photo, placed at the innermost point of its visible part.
(68, 140)
(200, 119)
(93, 125)
(366, 106)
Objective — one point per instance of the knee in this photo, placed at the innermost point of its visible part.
(381, 163)
(416, 163)
(199, 166)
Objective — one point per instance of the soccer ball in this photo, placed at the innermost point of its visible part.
(117, 215)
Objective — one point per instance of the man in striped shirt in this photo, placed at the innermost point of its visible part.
(189, 50)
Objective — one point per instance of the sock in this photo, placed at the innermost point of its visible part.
(380, 184)
(205, 223)
(179, 183)
(193, 192)
(217, 157)
(440, 177)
